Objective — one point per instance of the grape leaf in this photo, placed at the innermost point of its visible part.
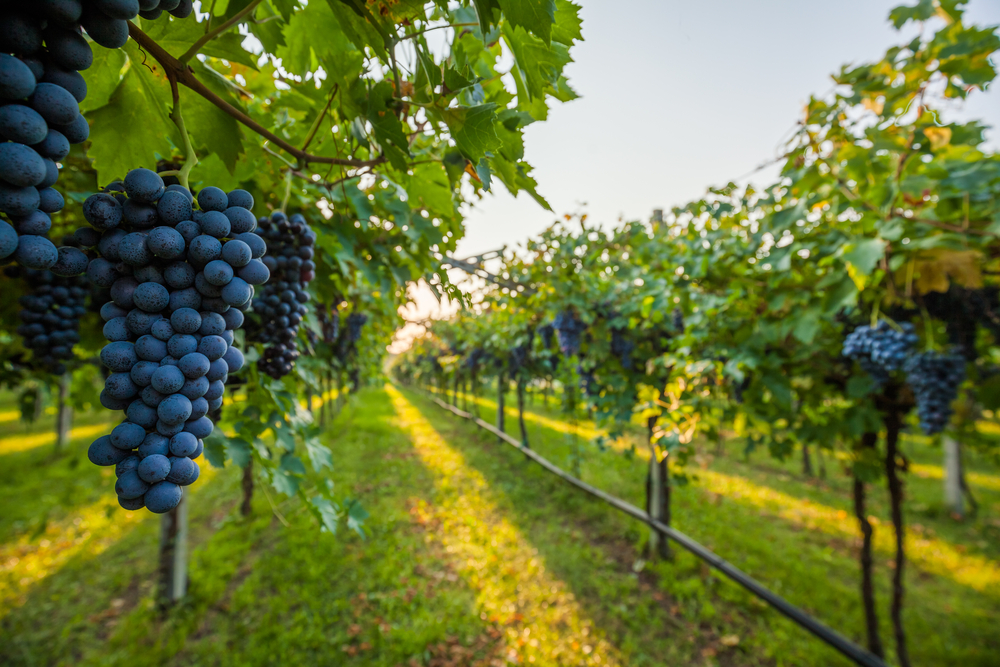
(102, 77)
(472, 129)
(139, 103)
(540, 64)
(567, 28)
(535, 16)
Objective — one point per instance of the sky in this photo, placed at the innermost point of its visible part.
(677, 96)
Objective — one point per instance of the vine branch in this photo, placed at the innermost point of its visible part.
(183, 74)
(210, 35)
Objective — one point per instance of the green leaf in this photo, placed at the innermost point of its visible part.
(485, 10)
(428, 187)
(807, 326)
(102, 77)
(140, 103)
(314, 37)
(541, 64)
(319, 454)
(922, 11)
(567, 28)
(239, 451)
(292, 464)
(472, 130)
(535, 16)
(356, 516)
(358, 29)
(328, 513)
(215, 449)
(284, 483)
(865, 254)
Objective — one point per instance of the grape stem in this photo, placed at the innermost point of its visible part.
(288, 189)
(184, 75)
(190, 156)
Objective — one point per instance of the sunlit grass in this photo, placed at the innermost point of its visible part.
(980, 479)
(85, 531)
(496, 560)
(931, 554)
(19, 443)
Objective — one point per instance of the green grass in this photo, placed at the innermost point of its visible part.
(475, 557)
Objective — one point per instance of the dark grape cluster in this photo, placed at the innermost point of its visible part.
(355, 323)
(180, 278)
(622, 347)
(518, 357)
(50, 316)
(880, 349)
(282, 303)
(546, 331)
(934, 378)
(476, 357)
(42, 50)
(678, 320)
(569, 329)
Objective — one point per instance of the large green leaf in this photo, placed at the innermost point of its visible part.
(535, 16)
(472, 129)
(540, 64)
(141, 104)
(102, 77)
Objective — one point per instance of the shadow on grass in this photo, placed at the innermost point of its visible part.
(946, 622)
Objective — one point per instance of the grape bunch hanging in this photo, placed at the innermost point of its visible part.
(622, 347)
(935, 379)
(180, 278)
(50, 316)
(42, 52)
(880, 349)
(569, 330)
(282, 303)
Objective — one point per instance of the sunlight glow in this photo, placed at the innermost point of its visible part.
(495, 559)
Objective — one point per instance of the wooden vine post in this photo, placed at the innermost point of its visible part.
(501, 381)
(64, 414)
(868, 443)
(520, 412)
(657, 495)
(172, 579)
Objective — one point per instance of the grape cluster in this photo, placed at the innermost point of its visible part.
(50, 319)
(621, 347)
(475, 358)
(546, 331)
(518, 357)
(935, 378)
(180, 278)
(282, 303)
(880, 349)
(678, 320)
(569, 329)
(42, 52)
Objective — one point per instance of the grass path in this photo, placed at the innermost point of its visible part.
(474, 556)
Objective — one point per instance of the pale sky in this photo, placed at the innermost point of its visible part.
(679, 96)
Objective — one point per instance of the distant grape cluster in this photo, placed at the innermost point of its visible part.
(678, 320)
(935, 378)
(880, 349)
(282, 303)
(622, 347)
(180, 278)
(42, 52)
(50, 316)
(587, 381)
(546, 331)
(569, 329)
(518, 357)
(352, 334)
